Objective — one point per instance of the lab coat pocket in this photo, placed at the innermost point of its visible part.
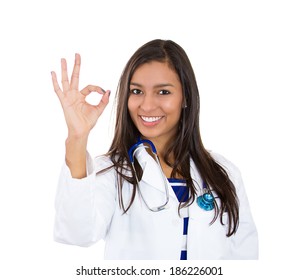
(209, 237)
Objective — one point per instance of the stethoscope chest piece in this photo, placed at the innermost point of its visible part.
(206, 201)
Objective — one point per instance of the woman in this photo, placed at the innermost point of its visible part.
(187, 204)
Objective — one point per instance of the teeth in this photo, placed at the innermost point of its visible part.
(150, 119)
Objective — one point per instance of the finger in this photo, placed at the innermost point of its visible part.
(91, 88)
(76, 72)
(56, 86)
(104, 102)
(64, 76)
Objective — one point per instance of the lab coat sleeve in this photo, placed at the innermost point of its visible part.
(84, 207)
(244, 243)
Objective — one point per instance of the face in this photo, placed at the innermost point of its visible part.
(155, 101)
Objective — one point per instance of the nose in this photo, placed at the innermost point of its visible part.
(148, 102)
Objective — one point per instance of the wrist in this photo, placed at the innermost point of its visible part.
(77, 138)
(75, 156)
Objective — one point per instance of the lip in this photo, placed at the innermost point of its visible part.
(150, 120)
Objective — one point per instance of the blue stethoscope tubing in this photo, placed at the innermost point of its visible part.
(206, 201)
(138, 143)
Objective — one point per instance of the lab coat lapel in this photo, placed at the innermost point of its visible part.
(152, 175)
(197, 181)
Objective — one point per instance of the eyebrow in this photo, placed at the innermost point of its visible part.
(155, 86)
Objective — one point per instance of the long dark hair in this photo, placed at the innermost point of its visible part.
(185, 146)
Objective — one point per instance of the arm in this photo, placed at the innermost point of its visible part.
(75, 156)
(84, 207)
(80, 116)
(84, 202)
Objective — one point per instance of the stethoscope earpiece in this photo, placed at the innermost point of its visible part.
(206, 201)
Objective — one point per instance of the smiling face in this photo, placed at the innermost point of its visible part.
(155, 101)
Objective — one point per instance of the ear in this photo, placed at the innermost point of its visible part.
(184, 103)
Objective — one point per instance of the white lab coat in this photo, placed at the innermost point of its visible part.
(87, 210)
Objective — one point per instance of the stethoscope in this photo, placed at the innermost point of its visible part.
(206, 201)
(132, 151)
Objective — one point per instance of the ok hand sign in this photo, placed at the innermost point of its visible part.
(80, 116)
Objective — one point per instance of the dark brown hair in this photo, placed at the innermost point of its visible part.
(185, 146)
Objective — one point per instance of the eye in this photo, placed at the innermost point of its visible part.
(164, 92)
(135, 91)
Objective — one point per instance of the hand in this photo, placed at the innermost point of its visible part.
(80, 116)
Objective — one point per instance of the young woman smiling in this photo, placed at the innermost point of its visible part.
(165, 197)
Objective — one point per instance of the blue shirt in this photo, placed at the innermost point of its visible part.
(181, 191)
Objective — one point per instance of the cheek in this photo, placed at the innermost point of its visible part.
(173, 108)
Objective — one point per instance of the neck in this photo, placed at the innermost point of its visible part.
(160, 147)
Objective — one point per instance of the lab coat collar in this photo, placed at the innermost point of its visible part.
(152, 175)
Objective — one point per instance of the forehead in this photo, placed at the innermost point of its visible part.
(155, 72)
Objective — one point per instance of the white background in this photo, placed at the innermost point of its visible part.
(246, 58)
